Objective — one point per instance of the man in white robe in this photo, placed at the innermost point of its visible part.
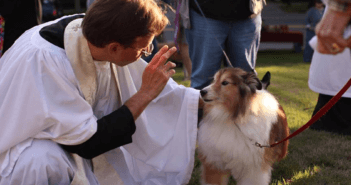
(75, 89)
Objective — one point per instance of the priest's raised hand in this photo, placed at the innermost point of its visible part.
(154, 79)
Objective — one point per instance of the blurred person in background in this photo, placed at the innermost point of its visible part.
(89, 2)
(180, 37)
(184, 52)
(313, 16)
(52, 10)
(19, 15)
(2, 24)
(331, 66)
(236, 25)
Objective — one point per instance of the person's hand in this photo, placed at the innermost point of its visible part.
(330, 32)
(154, 79)
(157, 72)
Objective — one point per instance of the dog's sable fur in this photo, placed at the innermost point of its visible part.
(238, 113)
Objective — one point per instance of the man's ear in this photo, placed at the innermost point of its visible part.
(113, 47)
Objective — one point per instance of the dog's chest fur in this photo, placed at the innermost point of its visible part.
(226, 146)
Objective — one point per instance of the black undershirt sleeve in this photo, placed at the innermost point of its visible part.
(113, 130)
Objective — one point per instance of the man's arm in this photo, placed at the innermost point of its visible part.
(113, 130)
(117, 128)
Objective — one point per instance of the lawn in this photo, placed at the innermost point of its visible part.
(314, 158)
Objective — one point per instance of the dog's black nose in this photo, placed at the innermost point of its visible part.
(203, 92)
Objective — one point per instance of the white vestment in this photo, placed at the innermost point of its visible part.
(44, 94)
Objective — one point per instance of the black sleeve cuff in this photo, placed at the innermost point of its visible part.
(113, 130)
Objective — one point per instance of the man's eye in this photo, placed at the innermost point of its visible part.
(225, 83)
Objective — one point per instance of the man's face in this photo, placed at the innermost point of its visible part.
(127, 55)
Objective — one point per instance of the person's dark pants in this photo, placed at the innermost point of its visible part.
(337, 119)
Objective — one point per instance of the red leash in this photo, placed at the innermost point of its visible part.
(318, 115)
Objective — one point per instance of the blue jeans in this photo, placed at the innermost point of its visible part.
(240, 39)
(308, 51)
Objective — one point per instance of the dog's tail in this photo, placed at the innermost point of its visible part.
(266, 80)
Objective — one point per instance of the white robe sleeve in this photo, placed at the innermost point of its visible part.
(39, 98)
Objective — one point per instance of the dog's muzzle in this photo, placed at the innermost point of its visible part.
(203, 92)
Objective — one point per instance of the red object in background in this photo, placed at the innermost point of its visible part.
(281, 33)
(54, 13)
(291, 36)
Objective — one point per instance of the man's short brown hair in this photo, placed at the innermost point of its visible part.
(122, 21)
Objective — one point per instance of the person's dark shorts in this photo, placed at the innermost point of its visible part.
(337, 119)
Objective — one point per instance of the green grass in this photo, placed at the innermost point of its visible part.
(314, 158)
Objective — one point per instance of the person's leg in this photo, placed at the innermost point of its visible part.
(308, 51)
(243, 42)
(204, 51)
(337, 119)
(45, 162)
(184, 53)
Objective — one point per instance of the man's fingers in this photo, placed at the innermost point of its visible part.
(166, 56)
(339, 46)
(171, 72)
(169, 65)
(335, 45)
(322, 48)
(158, 55)
(327, 48)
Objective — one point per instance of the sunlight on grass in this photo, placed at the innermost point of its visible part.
(301, 177)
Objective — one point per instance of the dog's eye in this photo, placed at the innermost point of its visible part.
(225, 83)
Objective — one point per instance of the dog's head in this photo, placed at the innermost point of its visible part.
(231, 88)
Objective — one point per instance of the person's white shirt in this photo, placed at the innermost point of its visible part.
(329, 73)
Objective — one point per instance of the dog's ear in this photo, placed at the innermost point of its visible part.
(266, 80)
(252, 81)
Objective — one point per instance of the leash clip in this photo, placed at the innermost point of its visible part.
(261, 146)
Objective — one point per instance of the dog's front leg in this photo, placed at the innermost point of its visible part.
(211, 175)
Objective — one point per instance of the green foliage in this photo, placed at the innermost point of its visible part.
(314, 157)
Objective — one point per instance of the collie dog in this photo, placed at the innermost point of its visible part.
(238, 112)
